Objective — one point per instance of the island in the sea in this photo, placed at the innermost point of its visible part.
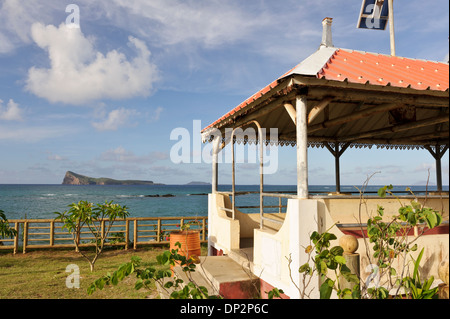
(72, 178)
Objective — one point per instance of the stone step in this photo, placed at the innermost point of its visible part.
(220, 275)
(194, 276)
(229, 278)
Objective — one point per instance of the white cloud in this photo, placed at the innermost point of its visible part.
(55, 157)
(169, 22)
(79, 74)
(12, 112)
(115, 119)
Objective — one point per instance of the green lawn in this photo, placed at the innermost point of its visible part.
(42, 274)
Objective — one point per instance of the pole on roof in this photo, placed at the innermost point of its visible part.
(302, 146)
(391, 26)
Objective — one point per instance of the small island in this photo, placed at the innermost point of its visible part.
(72, 178)
(198, 183)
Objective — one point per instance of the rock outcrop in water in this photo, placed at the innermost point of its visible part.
(72, 178)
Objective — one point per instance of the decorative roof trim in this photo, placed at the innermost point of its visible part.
(314, 144)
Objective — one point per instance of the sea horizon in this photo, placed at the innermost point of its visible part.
(41, 201)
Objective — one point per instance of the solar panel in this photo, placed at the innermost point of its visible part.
(374, 15)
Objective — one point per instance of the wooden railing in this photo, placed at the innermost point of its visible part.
(130, 232)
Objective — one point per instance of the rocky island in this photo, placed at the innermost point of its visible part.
(72, 178)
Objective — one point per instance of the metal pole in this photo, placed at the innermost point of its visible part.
(215, 165)
(261, 174)
(302, 147)
(233, 180)
(391, 26)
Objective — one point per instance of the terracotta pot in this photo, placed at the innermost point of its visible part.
(189, 240)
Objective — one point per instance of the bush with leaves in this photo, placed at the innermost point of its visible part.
(324, 260)
(174, 286)
(5, 229)
(390, 240)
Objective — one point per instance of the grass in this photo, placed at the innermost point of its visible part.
(41, 274)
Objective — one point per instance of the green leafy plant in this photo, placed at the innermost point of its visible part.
(417, 289)
(173, 285)
(274, 293)
(327, 259)
(5, 229)
(390, 240)
(189, 224)
(98, 219)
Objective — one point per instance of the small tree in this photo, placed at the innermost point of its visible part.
(98, 220)
(5, 229)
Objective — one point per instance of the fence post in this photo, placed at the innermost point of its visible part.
(25, 236)
(16, 237)
(158, 231)
(103, 230)
(135, 233)
(127, 233)
(77, 238)
(350, 244)
(52, 233)
(203, 229)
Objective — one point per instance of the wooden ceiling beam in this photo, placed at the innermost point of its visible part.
(398, 128)
(354, 116)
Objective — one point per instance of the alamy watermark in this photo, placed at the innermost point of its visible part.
(190, 149)
(73, 280)
(73, 19)
(374, 9)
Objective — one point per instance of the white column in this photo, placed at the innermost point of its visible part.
(302, 147)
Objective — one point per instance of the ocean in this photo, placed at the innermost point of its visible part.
(41, 201)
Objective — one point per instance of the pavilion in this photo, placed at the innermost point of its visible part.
(338, 99)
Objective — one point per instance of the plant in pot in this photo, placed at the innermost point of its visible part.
(189, 239)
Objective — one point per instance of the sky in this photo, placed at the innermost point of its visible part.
(99, 87)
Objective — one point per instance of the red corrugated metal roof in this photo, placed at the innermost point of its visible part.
(379, 69)
(370, 68)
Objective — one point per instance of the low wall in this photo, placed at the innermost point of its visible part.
(353, 210)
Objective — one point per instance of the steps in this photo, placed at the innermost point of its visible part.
(220, 275)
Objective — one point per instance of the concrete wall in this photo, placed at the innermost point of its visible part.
(279, 254)
(223, 231)
(280, 251)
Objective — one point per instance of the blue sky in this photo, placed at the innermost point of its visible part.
(102, 100)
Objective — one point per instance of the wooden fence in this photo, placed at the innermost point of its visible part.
(130, 232)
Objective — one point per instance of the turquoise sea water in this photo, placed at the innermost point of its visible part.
(41, 201)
